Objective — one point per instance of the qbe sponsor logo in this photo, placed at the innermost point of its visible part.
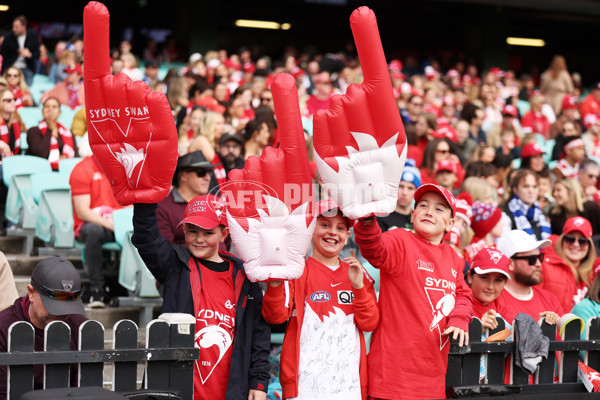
(345, 296)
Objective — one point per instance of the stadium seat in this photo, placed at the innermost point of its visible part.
(54, 224)
(66, 116)
(31, 116)
(66, 165)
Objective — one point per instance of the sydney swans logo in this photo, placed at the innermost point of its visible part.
(127, 155)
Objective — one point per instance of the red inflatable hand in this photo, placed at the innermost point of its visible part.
(270, 202)
(359, 142)
(131, 129)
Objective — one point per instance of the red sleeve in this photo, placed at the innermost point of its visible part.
(278, 302)
(79, 180)
(378, 248)
(366, 311)
(462, 314)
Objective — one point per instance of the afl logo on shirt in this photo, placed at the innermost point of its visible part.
(320, 296)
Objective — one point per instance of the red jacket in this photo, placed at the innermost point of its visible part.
(559, 279)
(278, 306)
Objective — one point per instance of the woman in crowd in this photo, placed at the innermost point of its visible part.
(256, 137)
(570, 202)
(10, 125)
(479, 189)
(18, 87)
(532, 158)
(189, 129)
(436, 151)
(212, 127)
(522, 210)
(50, 139)
(556, 82)
(568, 262)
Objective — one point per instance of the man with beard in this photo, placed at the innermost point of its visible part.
(229, 156)
(522, 292)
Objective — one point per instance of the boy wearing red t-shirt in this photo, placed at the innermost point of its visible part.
(329, 306)
(423, 299)
(233, 338)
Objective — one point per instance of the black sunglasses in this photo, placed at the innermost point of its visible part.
(56, 294)
(570, 239)
(530, 259)
(201, 173)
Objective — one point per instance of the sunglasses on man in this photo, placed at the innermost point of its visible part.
(530, 259)
(56, 294)
(200, 172)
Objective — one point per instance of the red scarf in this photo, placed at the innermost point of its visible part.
(219, 171)
(18, 97)
(190, 134)
(73, 101)
(68, 146)
(5, 134)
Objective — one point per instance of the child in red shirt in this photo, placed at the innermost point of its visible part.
(324, 353)
(423, 299)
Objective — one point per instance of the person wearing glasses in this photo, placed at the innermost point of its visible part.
(570, 202)
(192, 178)
(93, 205)
(589, 174)
(18, 87)
(523, 292)
(54, 294)
(568, 264)
(21, 48)
(11, 125)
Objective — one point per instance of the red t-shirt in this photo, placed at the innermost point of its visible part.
(314, 104)
(214, 305)
(540, 300)
(535, 122)
(88, 178)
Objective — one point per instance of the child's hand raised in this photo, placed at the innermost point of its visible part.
(488, 320)
(355, 271)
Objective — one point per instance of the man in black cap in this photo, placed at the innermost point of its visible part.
(54, 294)
(192, 178)
(229, 153)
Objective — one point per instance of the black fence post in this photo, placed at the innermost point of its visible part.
(125, 337)
(593, 333)
(158, 335)
(182, 335)
(91, 337)
(57, 337)
(20, 377)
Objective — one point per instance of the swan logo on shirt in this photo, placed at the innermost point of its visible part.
(440, 294)
(213, 340)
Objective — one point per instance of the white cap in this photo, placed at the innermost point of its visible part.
(518, 241)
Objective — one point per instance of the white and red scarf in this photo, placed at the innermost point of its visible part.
(68, 149)
(5, 134)
(18, 97)
(73, 101)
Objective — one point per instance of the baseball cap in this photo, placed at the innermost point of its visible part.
(518, 241)
(578, 224)
(569, 102)
(589, 120)
(446, 132)
(531, 150)
(73, 68)
(206, 211)
(431, 187)
(511, 110)
(325, 206)
(489, 260)
(445, 165)
(59, 285)
(231, 136)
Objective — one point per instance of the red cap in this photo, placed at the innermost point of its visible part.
(73, 68)
(497, 71)
(211, 104)
(207, 212)
(249, 67)
(511, 110)
(324, 206)
(446, 132)
(397, 75)
(569, 102)
(578, 224)
(589, 119)
(531, 150)
(430, 187)
(452, 73)
(489, 260)
(395, 65)
(445, 165)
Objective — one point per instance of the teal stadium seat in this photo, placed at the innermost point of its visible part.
(66, 116)
(66, 165)
(21, 209)
(38, 89)
(31, 116)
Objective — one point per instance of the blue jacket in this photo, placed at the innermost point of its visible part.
(169, 264)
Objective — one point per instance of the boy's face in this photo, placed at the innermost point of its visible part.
(330, 236)
(487, 287)
(446, 179)
(432, 217)
(204, 243)
(406, 193)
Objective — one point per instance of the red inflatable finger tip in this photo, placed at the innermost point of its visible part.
(361, 14)
(96, 8)
(283, 80)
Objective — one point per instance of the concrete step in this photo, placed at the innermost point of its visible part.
(11, 244)
(21, 281)
(24, 264)
(109, 316)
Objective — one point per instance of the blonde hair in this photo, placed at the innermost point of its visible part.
(581, 273)
(478, 188)
(207, 123)
(576, 196)
(22, 84)
(14, 116)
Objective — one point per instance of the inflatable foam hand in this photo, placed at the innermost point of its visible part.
(270, 202)
(359, 142)
(131, 129)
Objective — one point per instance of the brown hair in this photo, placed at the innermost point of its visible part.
(594, 290)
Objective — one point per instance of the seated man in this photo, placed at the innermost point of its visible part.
(70, 91)
(192, 178)
(93, 204)
(229, 156)
(51, 277)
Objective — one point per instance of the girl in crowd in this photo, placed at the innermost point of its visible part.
(212, 126)
(10, 125)
(570, 202)
(50, 139)
(18, 87)
(189, 129)
(257, 135)
(568, 262)
(436, 151)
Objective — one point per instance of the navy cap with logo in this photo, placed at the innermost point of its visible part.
(59, 285)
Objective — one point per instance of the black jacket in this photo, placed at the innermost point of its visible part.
(169, 264)
(10, 50)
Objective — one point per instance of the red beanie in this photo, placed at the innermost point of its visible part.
(485, 217)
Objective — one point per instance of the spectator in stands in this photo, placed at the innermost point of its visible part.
(446, 174)
(10, 125)
(191, 179)
(424, 127)
(534, 121)
(522, 292)
(79, 124)
(591, 138)
(437, 150)
(589, 174)
(591, 103)
(590, 306)
(319, 100)
(229, 156)
(18, 87)
(400, 217)
(54, 294)
(532, 157)
(20, 49)
(8, 289)
(484, 153)
(556, 82)
(58, 62)
(190, 129)
(510, 120)
(212, 126)
(572, 153)
(568, 130)
(570, 202)
(256, 137)
(522, 210)
(568, 263)
(479, 190)
(474, 116)
(151, 72)
(414, 107)
(58, 144)
(465, 144)
(130, 67)
(70, 91)
(93, 205)
(568, 114)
